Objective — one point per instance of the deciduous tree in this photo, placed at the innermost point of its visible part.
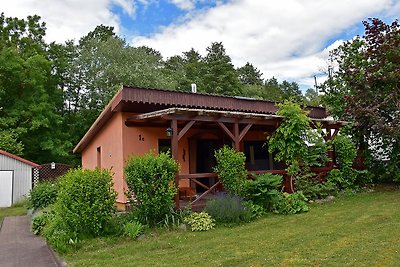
(29, 97)
(366, 86)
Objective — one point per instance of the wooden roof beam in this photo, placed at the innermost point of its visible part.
(259, 121)
(185, 129)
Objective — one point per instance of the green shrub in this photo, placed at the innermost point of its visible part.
(319, 190)
(116, 225)
(84, 207)
(40, 221)
(255, 209)
(335, 177)
(151, 179)
(86, 200)
(291, 203)
(231, 170)
(133, 229)
(313, 188)
(345, 151)
(365, 177)
(296, 143)
(263, 189)
(226, 208)
(42, 195)
(200, 221)
(58, 234)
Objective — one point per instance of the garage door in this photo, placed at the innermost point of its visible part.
(6, 188)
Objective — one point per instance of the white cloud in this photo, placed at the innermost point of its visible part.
(301, 69)
(126, 5)
(394, 11)
(283, 38)
(184, 4)
(69, 19)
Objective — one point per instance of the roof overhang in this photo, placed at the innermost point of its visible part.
(163, 118)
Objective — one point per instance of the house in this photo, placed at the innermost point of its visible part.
(15, 178)
(138, 120)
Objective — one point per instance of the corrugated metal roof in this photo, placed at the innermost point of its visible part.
(195, 100)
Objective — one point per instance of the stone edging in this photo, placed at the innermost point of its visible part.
(60, 262)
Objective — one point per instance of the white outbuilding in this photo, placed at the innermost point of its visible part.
(15, 178)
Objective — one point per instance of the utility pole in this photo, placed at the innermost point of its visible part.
(316, 85)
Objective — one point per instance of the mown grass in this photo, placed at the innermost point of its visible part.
(358, 230)
(18, 209)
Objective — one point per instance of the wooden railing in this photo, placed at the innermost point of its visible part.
(194, 176)
(320, 171)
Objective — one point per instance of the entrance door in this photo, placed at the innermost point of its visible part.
(205, 160)
(6, 188)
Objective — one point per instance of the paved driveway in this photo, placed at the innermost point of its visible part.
(20, 247)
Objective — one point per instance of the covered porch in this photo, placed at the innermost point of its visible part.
(207, 130)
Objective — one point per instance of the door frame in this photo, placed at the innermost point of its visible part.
(12, 186)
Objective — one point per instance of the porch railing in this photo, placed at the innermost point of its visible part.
(320, 172)
(194, 176)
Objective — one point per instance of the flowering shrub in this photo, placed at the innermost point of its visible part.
(200, 221)
(226, 208)
(291, 203)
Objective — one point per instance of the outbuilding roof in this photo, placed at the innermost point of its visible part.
(5, 153)
(144, 100)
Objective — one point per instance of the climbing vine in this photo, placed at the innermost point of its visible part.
(295, 142)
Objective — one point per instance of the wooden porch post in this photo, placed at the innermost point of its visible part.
(331, 152)
(176, 136)
(236, 135)
(174, 151)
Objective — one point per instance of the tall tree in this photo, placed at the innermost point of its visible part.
(29, 97)
(365, 88)
(248, 74)
(291, 90)
(272, 90)
(195, 68)
(175, 69)
(103, 62)
(186, 70)
(220, 77)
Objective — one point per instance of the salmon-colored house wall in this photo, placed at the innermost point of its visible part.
(115, 143)
(105, 151)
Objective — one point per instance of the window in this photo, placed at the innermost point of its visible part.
(257, 156)
(98, 157)
(164, 145)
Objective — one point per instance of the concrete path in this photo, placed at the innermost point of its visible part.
(20, 247)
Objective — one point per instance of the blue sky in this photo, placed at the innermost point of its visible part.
(287, 39)
(149, 17)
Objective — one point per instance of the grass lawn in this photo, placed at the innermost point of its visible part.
(359, 230)
(16, 210)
